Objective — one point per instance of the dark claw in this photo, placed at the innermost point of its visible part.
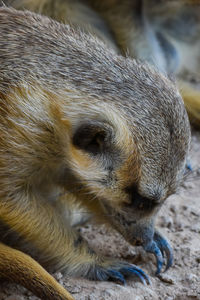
(153, 248)
(131, 271)
(117, 273)
(164, 248)
(116, 276)
(189, 166)
(161, 249)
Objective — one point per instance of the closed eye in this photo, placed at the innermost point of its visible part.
(91, 137)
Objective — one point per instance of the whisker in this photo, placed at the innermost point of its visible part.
(190, 176)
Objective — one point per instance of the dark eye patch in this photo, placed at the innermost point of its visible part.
(92, 137)
(97, 139)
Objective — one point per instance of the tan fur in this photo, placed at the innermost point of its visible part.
(81, 126)
(15, 264)
(191, 94)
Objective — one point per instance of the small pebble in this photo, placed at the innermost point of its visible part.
(195, 228)
(58, 276)
(191, 278)
(173, 208)
(166, 221)
(198, 260)
(184, 207)
(166, 278)
(178, 226)
(195, 213)
(73, 289)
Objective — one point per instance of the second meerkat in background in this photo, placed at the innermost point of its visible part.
(163, 33)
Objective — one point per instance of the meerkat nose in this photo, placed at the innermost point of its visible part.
(142, 233)
(141, 202)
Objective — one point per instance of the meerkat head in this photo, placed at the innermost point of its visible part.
(129, 154)
(125, 124)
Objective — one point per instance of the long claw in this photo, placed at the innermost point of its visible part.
(144, 275)
(115, 275)
(164, 248)
(138, 272)
(189, 166)
(153, 248)
(126, 270)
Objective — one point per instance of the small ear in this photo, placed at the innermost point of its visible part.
(92, 137)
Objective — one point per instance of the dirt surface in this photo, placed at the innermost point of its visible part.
(179, 221)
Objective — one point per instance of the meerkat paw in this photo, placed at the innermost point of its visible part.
(118, 271)
(84, 262)
(162, 250)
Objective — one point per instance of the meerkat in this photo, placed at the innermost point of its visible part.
(81, 125)
(163, 33)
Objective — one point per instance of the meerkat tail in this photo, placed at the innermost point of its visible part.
(22, 269)
(191, 97)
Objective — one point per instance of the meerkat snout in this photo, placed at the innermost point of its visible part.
(139, 202)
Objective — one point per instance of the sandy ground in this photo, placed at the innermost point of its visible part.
(179, 220)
